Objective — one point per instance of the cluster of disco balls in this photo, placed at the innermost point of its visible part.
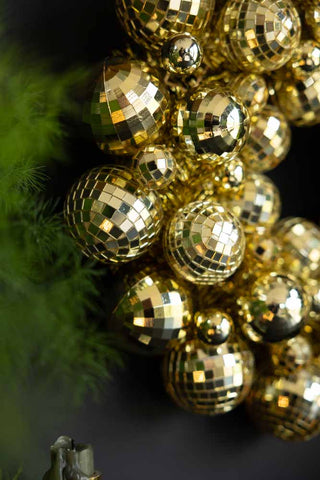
(227, 293)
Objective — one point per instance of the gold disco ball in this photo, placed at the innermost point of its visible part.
(128, 108)
(252, 89)
(154, 310)
(269, 140)
(229, 177)
(212, 124)
(300, 240)
(257, 205)
(152, 22)
(304, 61)
(299, 100)
(112, 216)
(290, 355)
(273, 309)
(204, 243)
(312, 17)
(156, 166)
(259, 35)
(207, 379)
(287, 406)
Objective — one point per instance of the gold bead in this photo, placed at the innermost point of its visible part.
(257, 204)
(152, 22)
(154, 310)
(269, 140)
(213, 326)
(252, 89)
(259, 36)
(229, 177)
(111, 215)
(181, 54)
(156, 166)
(299, 100)
(128, 108)
(274, 308)
(290, 355)
(204, 243)
(207, 379)
(300, 246)
(287, 406)
(211, 124)
(305, 60)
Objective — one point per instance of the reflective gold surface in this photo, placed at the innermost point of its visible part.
(259, 35)
(274, 308)
(301, 246)
(312, 17)
(299, 100)
(263, 251)
(156, 166)
(181, 54)
(211, 123)
(204, 243)
(252, 89)
(128, 107)
(305, 60)
(289, 355)
(287, 406)
(207, 379)
(151, 22)
(229, 177)
(257, 204)
(269, 140)
(155, 310)
(111, 215)
(214, 326)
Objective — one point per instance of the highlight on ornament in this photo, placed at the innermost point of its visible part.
(191, 116)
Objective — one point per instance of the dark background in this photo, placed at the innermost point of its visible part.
(136, 431)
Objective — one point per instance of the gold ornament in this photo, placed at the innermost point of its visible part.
(213, 326)
(274, 308)
(290, 355)
(204, 243)
(287, 406)
(268, 142)
(181, 54)
(252, 89)
(154, 310)
(128, 107)
(156, 166)
(299, 100)
(207, 379)
(300, 246)
(305, 60)
(263, 251)
(312, 17)
(152, 22)
(211, 124)
(229, 177)
(257, 204)
(259, 35)
(112, 216)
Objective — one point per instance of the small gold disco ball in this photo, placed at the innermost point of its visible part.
(304, 61)
(263, 251)
(112, 216)
(181, 54)
(259, 35)
(229, 177)
(154, 310)
(300, 240)
(252, 89)
(204, 243)
(290, 355)
(152, 22)
(156, 166)
(211, 124)
(287, 406)
(128, 107)
(299, 100)
(213, 326)
(269, 140)
(274, 308)
(257, 204)
(207, 379)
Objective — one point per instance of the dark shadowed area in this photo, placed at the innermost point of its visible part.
(136, 432)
